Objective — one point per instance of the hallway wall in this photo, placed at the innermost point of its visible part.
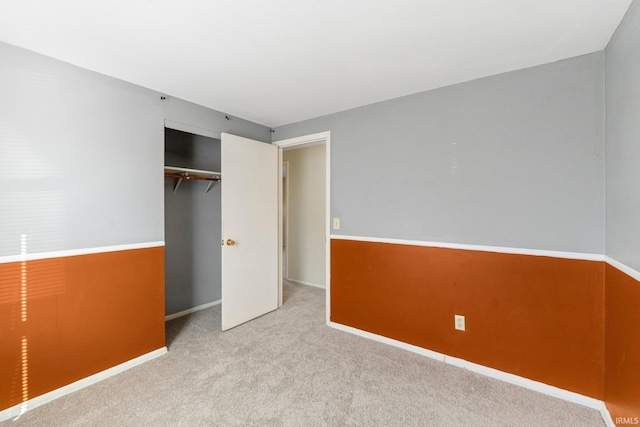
(306, 177)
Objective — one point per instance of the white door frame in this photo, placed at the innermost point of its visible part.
(285, 224)
(309, 141)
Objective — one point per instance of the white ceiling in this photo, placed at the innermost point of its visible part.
(281, 61)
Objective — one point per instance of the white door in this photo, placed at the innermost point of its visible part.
(250, 253)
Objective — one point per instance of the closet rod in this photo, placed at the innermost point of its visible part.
(186, 176)
(181, 176)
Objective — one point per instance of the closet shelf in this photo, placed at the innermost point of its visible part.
(195, 174)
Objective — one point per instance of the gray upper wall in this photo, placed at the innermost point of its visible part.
(204, 121)
(81, 155)
(512, 160)
(623, 140)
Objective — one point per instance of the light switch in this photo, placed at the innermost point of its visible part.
(336, 223)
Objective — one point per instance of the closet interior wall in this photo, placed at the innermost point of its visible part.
(192, 225)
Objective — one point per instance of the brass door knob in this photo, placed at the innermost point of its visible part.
(230, 242)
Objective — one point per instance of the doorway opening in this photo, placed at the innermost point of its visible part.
(305, 222)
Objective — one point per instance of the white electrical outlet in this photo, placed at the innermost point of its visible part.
(336, 223)
(459, 322)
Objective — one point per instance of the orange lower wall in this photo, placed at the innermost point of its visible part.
(622, 346)
(79, 315)
(537, 317)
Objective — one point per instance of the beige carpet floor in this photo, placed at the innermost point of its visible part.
(288, 368)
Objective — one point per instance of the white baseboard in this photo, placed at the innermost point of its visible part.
(17, 410)
(191, 310)
(606, 416)
(302, 282)
(489, 372)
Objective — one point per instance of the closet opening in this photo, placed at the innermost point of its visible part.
(192, 203)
